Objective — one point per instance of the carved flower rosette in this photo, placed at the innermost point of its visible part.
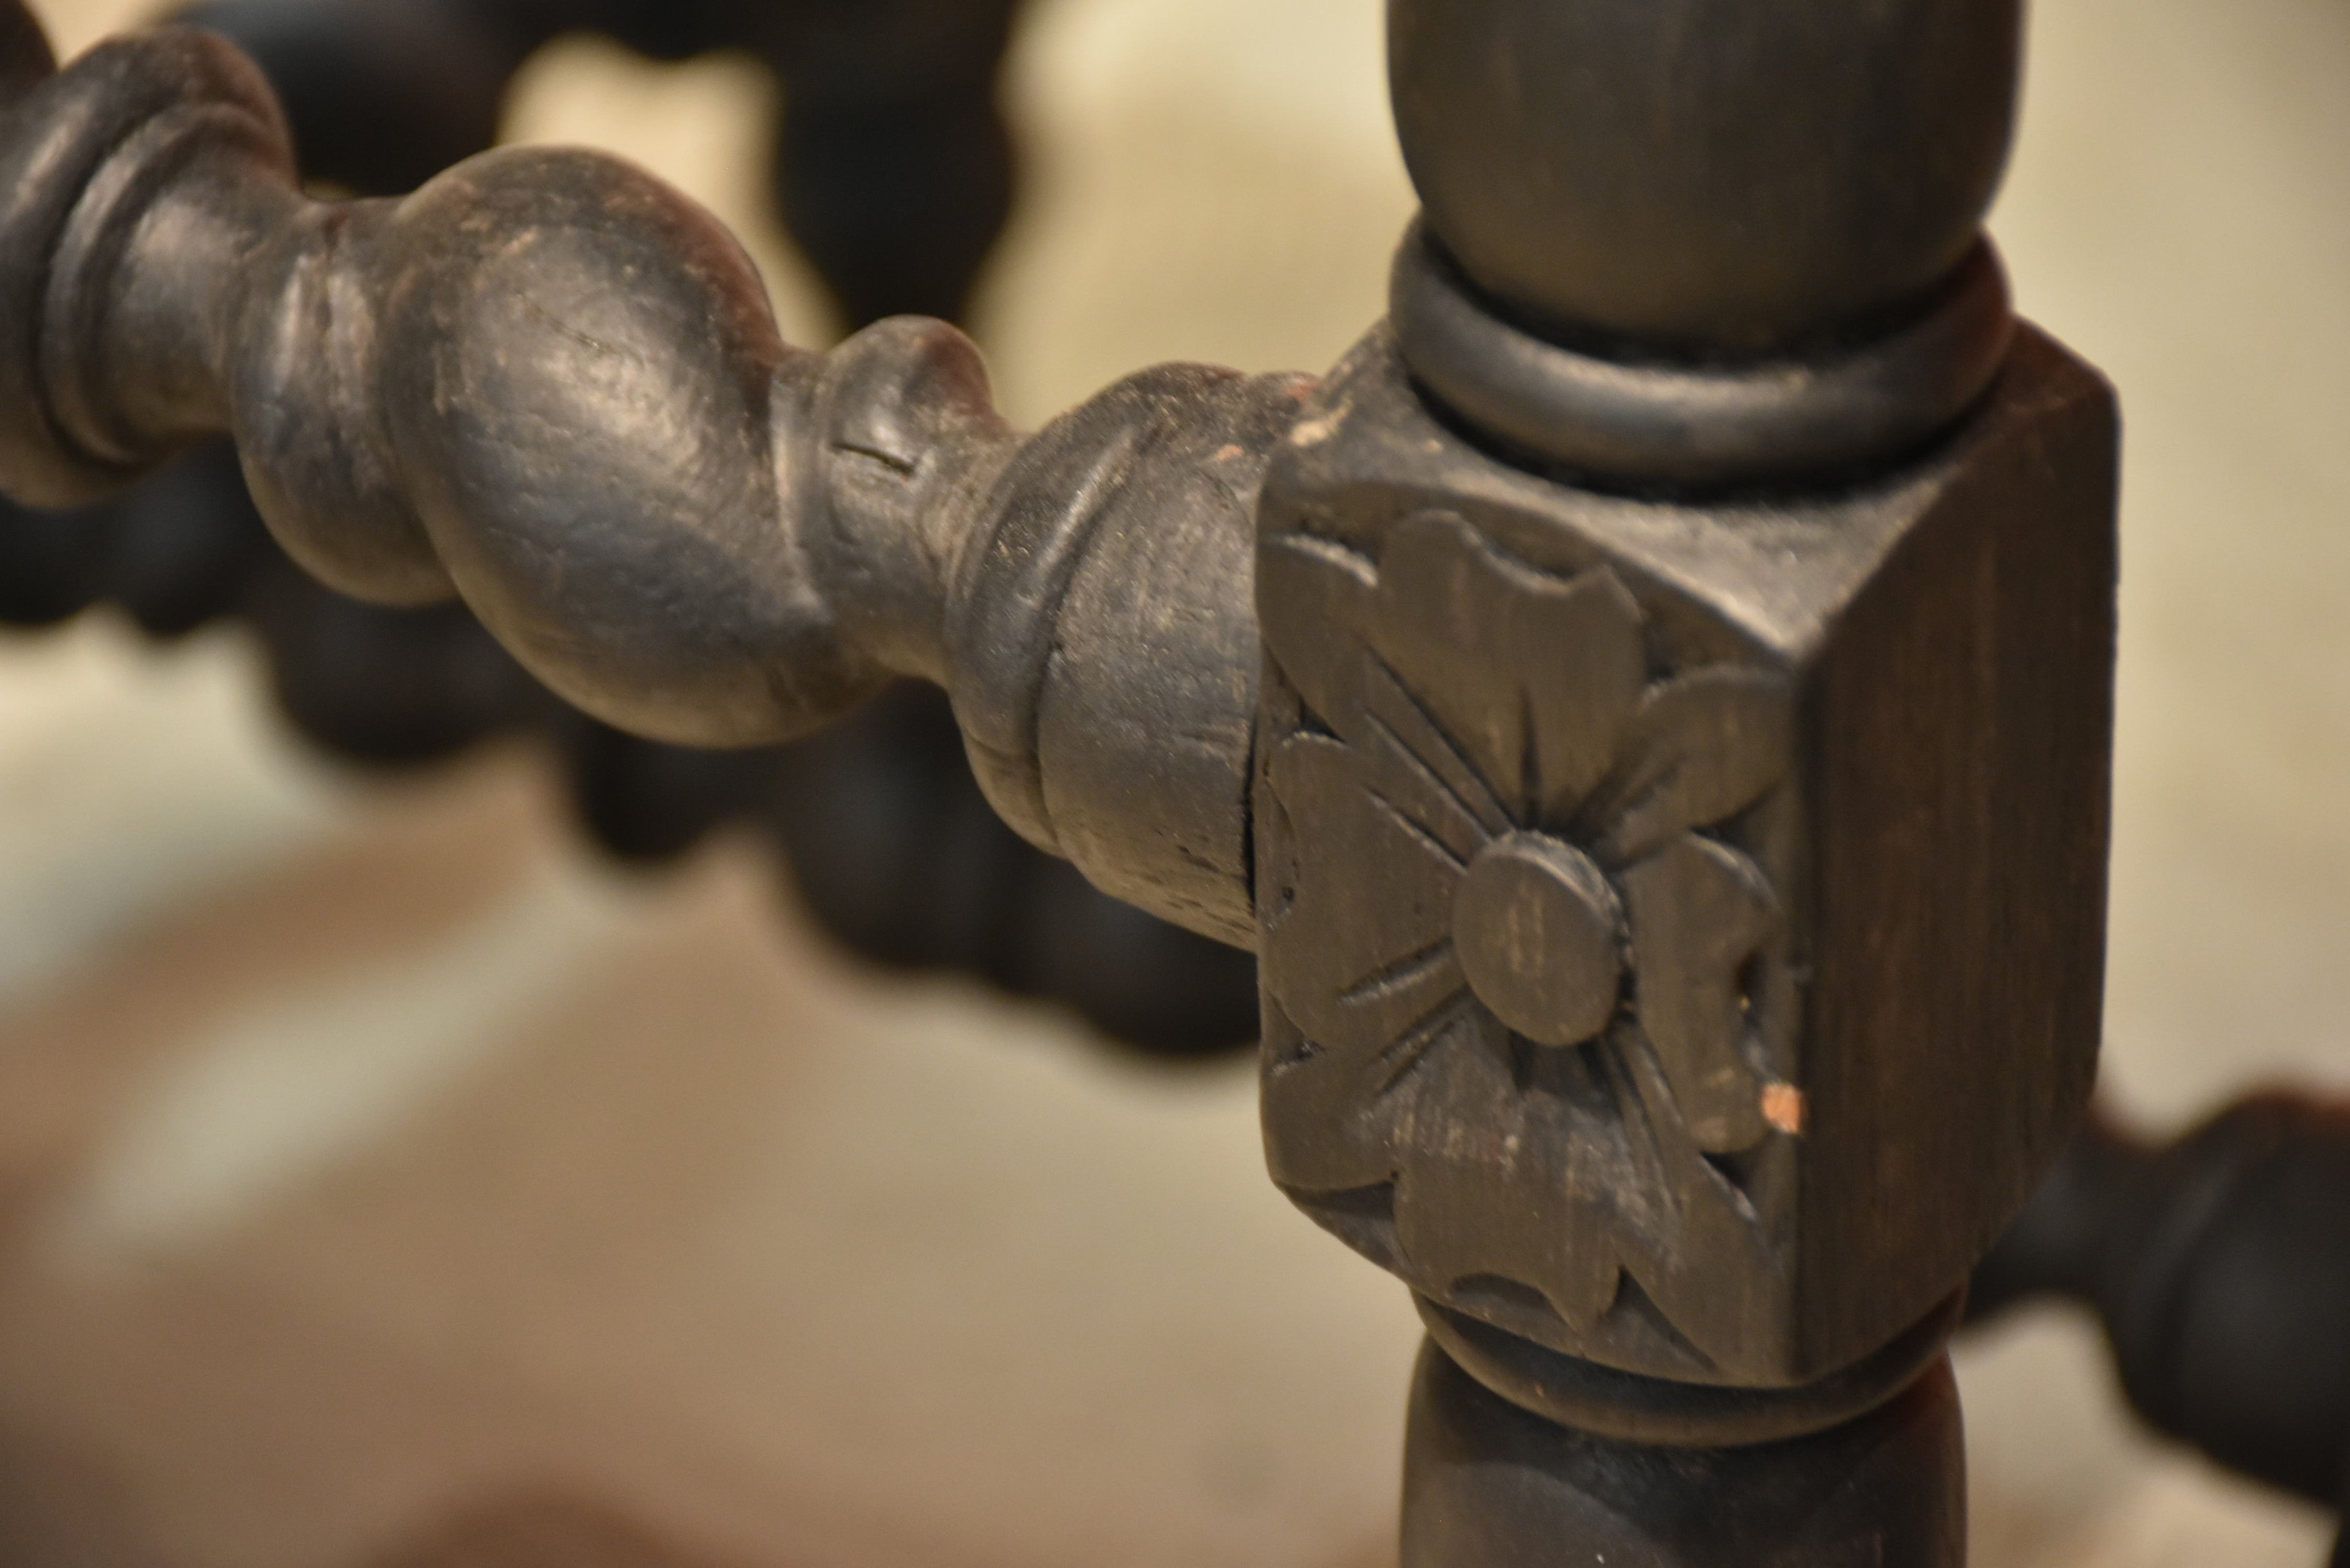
(1529, 984)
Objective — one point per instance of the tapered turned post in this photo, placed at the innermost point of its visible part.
(1681, 816)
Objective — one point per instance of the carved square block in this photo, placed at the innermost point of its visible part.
(1683, 926)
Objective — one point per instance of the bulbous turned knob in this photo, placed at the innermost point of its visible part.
(1704, 176)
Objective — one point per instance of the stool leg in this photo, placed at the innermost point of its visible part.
(1488, 1485)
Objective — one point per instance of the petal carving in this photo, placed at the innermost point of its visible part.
(1499, 1182)
(1707, 1234)
(1699, 911)
(1567, 1191)
(1702, 748)
(1531, 674)
(1308, 591)
(1364, 949)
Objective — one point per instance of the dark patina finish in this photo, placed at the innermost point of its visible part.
(1649, 705)
(1723, 1171)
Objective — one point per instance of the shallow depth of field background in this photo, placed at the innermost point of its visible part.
(370, 1158)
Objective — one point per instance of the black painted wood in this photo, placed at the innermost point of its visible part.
(1675, 841)
(1487, 1483)
(1716, 268)
(1754, 1123)
(1701, 177)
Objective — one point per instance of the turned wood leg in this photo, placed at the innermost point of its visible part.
(1490, 1483)
(1683, 786)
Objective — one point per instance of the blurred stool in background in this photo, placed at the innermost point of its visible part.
(2218, 1267)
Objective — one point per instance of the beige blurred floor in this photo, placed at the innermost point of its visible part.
(369, 1155)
